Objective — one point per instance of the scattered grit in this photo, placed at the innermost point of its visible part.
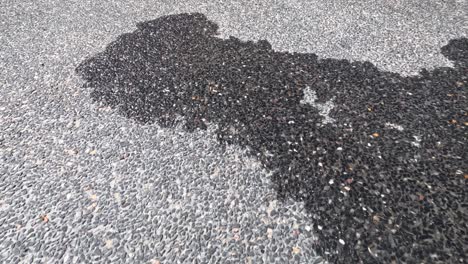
(379, 159)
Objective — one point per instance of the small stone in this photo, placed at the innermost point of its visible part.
(270, 233)
(109, 243)
(376, 219)
(296, 250)
(44, 218)
(71, 152)
(372, 252)
(117, 197)
(92, 207)
(93, 197)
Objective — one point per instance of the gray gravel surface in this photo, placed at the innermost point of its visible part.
(80, 184)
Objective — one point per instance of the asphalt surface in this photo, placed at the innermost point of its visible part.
(81, 183)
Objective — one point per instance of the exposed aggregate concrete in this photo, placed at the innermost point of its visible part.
(58, 150)
(377, 194)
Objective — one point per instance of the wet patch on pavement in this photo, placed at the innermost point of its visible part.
(378, 158)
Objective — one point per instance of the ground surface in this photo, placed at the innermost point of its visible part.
(81, 183)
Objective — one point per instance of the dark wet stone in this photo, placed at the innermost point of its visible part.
(390, 194)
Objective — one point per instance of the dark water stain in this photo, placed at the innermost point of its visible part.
(385, 182)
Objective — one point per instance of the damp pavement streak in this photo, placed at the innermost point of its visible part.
(172, 142)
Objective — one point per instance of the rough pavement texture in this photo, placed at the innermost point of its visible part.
(384, 181)
(51, 178)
